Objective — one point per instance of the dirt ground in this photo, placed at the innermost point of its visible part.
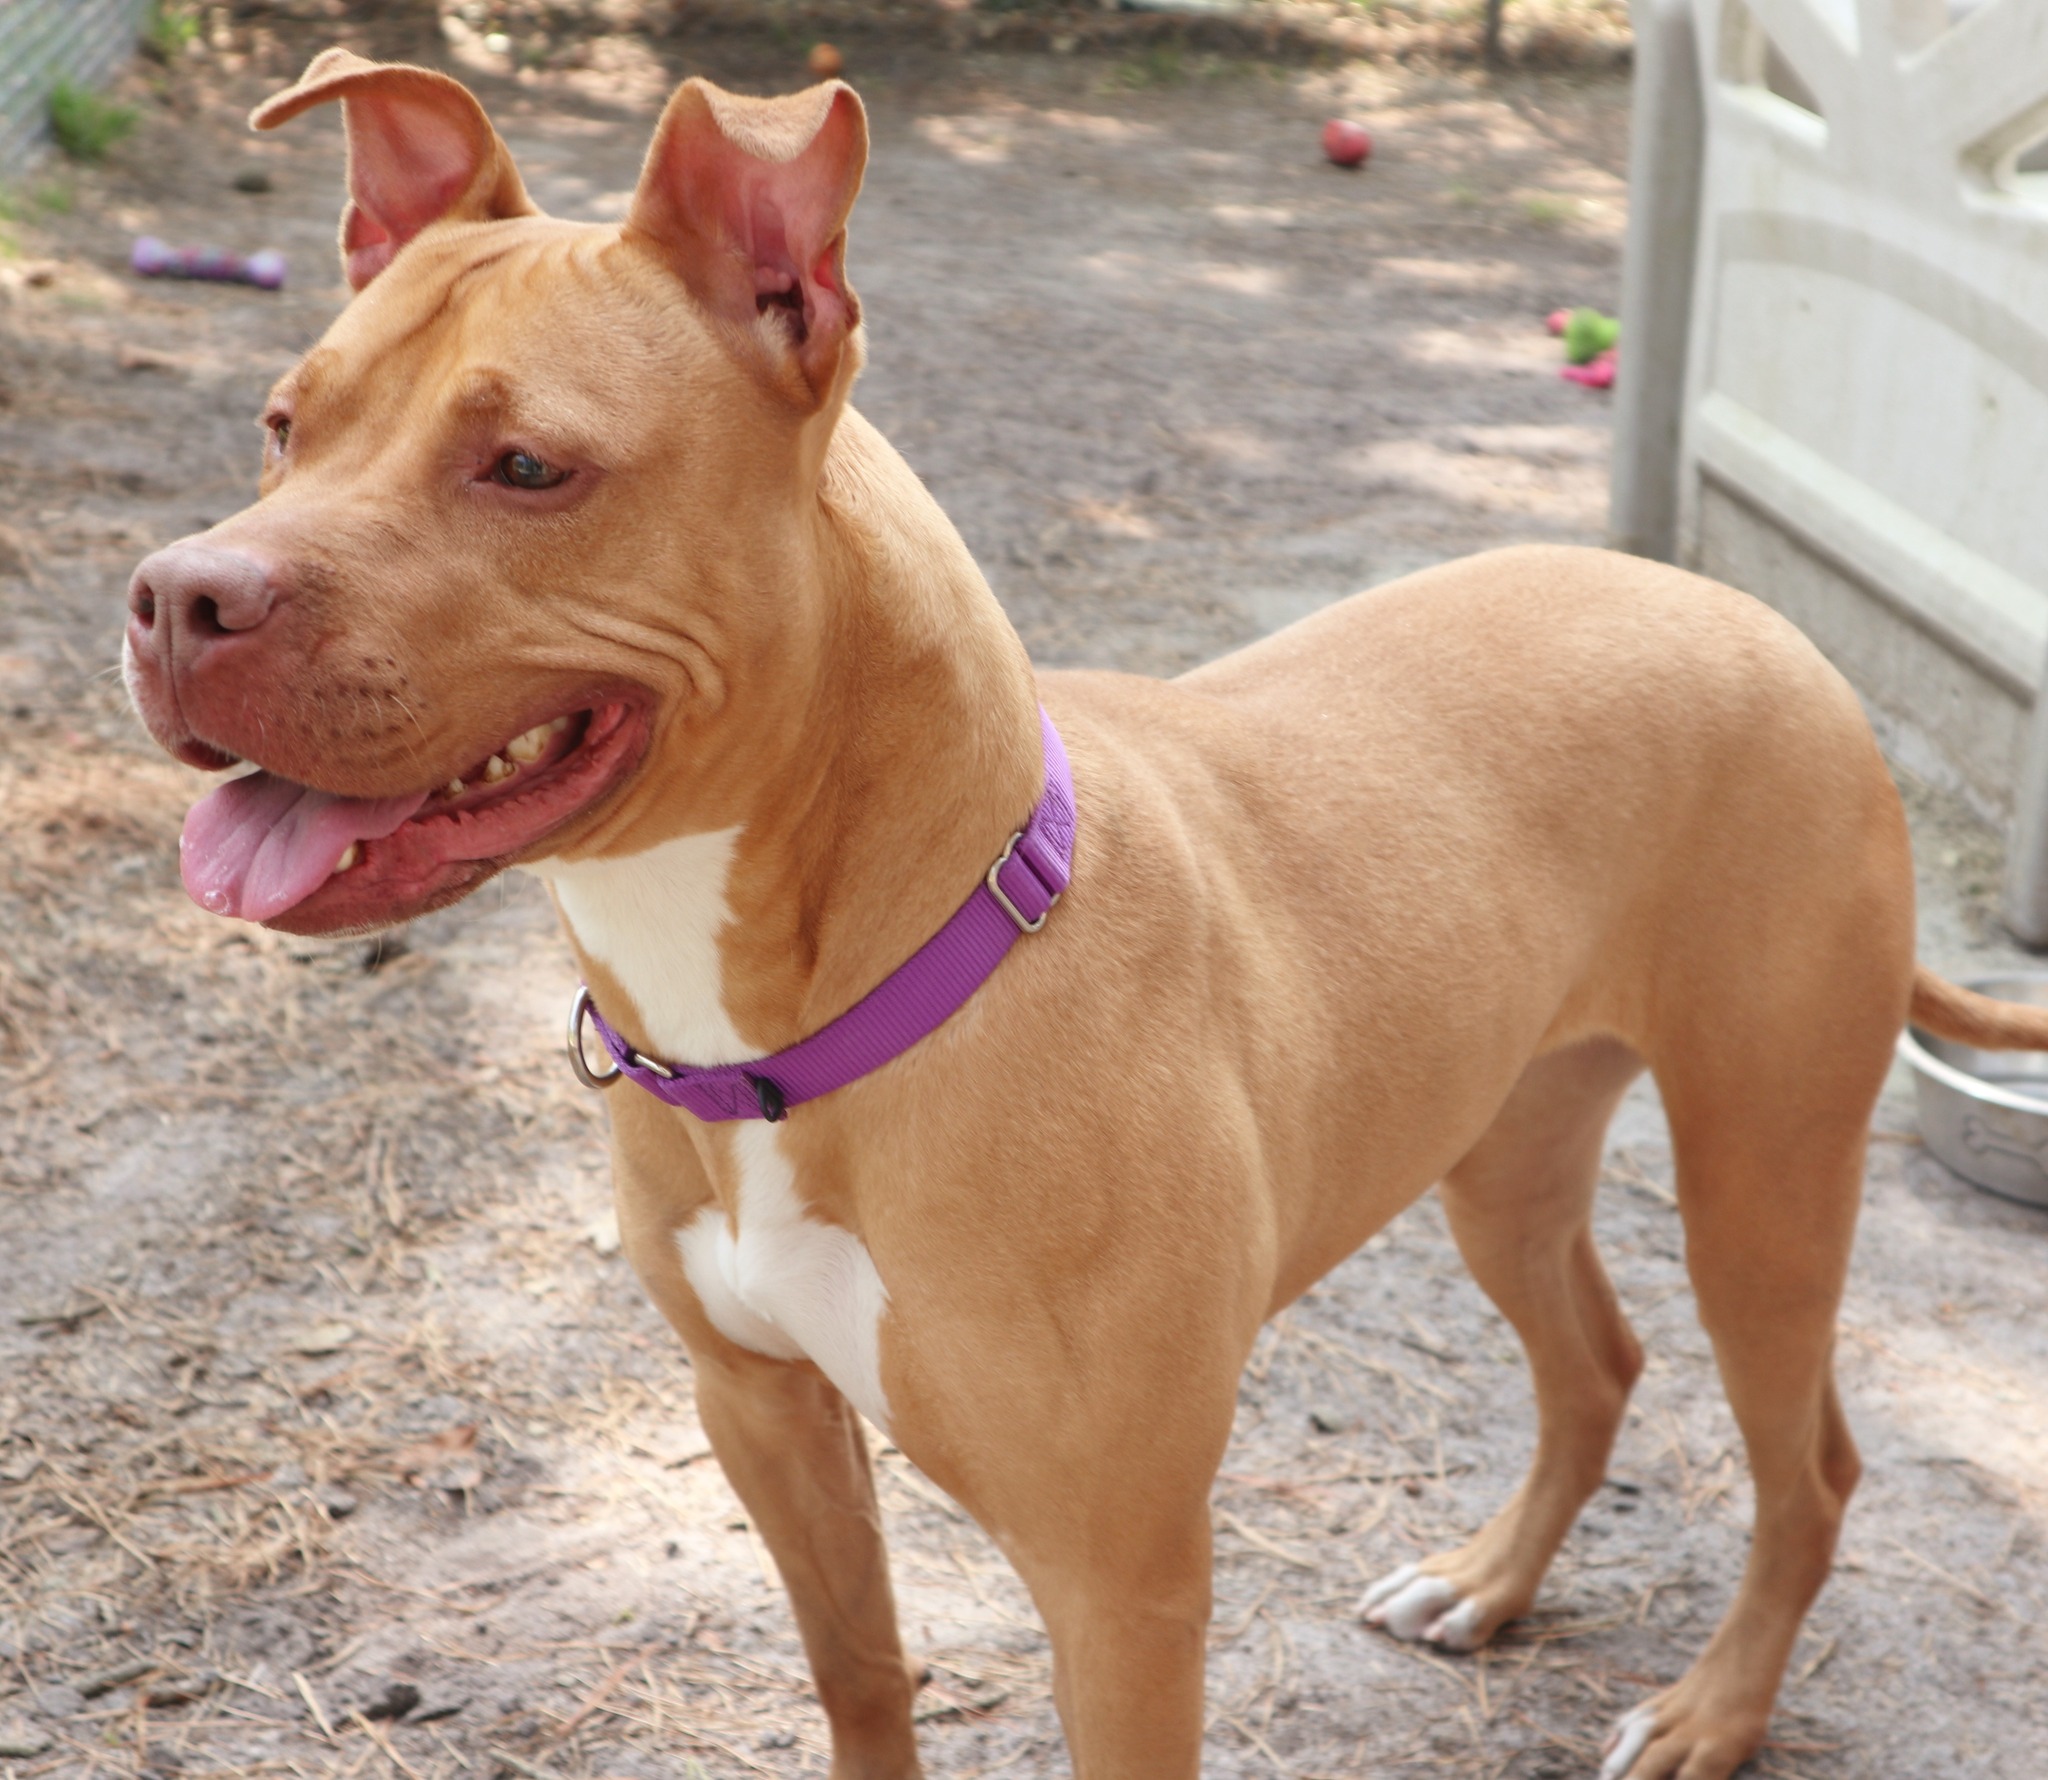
(322, 1383)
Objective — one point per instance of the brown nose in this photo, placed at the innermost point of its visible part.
(191, 594)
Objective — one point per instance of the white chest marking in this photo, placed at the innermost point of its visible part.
(786, 1284)
(782, 1283)
(653, 919)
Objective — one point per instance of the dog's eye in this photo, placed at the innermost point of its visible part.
(281, 431)
(521, 469)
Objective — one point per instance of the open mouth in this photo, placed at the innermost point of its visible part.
(266, 849)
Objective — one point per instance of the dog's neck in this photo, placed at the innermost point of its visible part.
(874, 794)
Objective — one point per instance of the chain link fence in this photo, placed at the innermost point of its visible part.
(45, 41)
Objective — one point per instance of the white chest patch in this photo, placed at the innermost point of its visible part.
(775, 1279)
(653, 921)
(785, 1284)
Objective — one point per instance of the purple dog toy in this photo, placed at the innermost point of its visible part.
(156, 259)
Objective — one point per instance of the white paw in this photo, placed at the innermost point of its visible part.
(1421, 1608)
(1626, 1741)
(1457, 1629)
(1387, 1587)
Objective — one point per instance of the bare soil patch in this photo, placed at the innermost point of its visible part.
(321, 1382)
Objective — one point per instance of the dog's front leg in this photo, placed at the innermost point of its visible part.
(797, 1457)
(1129, 1618)
(1091, 1467)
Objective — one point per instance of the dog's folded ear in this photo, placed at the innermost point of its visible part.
(419, 150)
(747, 199)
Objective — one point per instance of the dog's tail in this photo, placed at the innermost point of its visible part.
(1945, 1010)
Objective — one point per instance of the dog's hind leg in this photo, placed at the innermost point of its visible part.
(1770, 1178)
(1520, 1205)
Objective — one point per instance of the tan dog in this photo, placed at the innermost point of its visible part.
(571, 554)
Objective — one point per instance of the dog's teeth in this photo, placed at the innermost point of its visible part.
(558, 725)
(454, 788)
(528, 748)
(349, 855)
(496, 768)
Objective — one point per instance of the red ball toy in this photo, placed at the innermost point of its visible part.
(1346, 143)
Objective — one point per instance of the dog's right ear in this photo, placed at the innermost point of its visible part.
(419, 150)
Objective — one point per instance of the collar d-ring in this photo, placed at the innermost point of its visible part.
(579, 1015)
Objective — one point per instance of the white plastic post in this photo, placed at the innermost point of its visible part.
(1866, 405)
(1667, 130)
(2026, 857)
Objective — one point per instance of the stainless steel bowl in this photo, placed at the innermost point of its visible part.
(1985, 1113)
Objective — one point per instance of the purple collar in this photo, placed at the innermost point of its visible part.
(1013, 899)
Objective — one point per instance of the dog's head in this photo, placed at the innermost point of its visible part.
(536, 511)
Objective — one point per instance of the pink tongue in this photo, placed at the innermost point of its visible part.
(260, 844)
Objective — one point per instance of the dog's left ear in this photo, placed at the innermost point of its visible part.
(420, 150)
(747, 199)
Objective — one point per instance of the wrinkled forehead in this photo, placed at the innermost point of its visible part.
(518, 324)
